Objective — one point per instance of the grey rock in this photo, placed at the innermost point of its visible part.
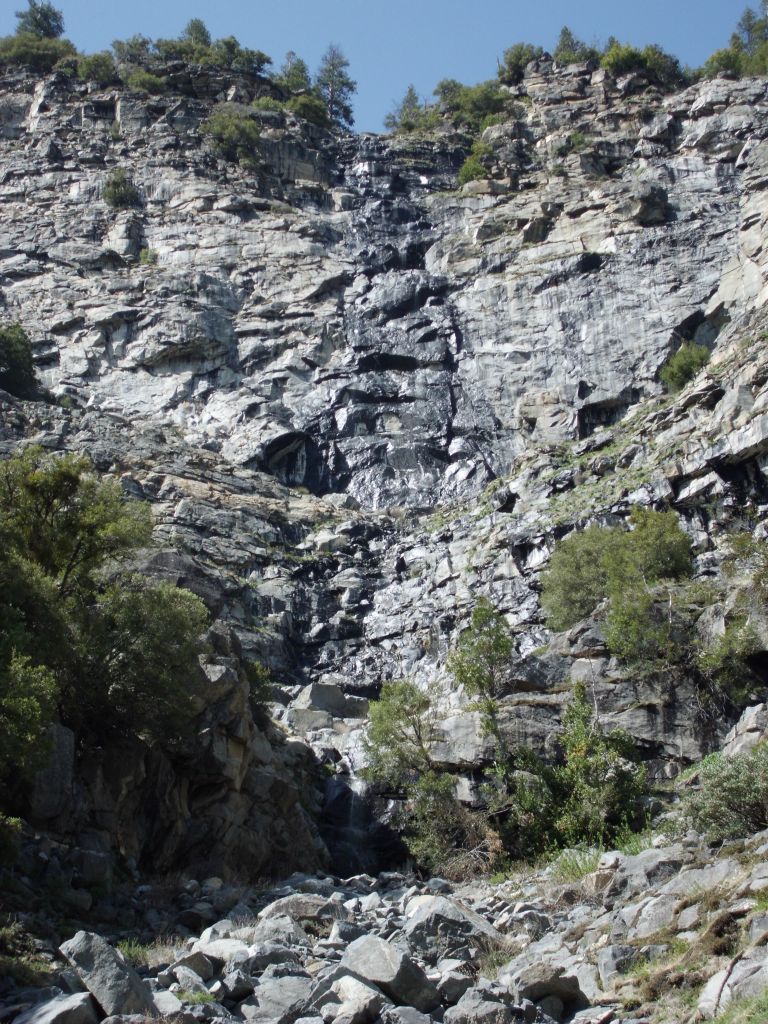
(65, 1009)
(279, 1000)
(436, 925)
(115, 985)
(392, 971)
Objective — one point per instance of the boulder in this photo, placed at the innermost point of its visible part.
(114, 984)
(74, 1009)
(392, 971)
(475, 1007)
(436, 925)
(277, 1000)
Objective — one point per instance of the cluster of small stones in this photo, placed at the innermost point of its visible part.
(392, 950)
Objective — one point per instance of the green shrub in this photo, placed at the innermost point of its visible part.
(600, 562)
(119, 656)
(144, 81)
(732, 798)
(480, 661)
(683, 366)
(622, 59)
(27, 50)
(571, 50)
(17, 370)
(411, 115)
(725, 661)
(515, 61)
(119, 191)
(10, 841)
(600, 785)
(233, 133)
(472, 170)
(148, 258)
(310, 108)
(401, 729)
(99, 68)
(467, 106)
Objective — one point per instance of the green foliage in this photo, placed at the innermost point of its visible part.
(753, 1010)
(17, 370)
(725, 662)
(732, 797)
(27, 699)
(572, 864)
(335, 87)
(56, 512)
(480, 660)
(233, 133)
(471, 170)
(41, 19)
(99, 68)
(600, 562)
(196, 33)
(294, 74)
(662, 68)
(143, 648)
(311, 108)
(40, 54)
(569, 49)
(467, 106)
(442, 835)
(515, 60)
(133, 50)
(148, 258)
(195, 998)
(10, 841)
(683, 366)
(119, 191)
(411, 115)
(401, 729)
(108, 656)
(747, 53)
(600, 784)
(144, 81)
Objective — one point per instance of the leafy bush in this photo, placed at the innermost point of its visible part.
(662, 68)
(233, 133)
(148, 258)
(411, 115)
(467, 106)
(515, 61)
(600, 562)
(747, 53)
(27, 50)
(144, 81)
(99, 68)
(310, 108)
(119, 191)
(726, 661)
(402, 727)
(471, 170)
(683, 366)
(732, 797)
(17, 370)
(107, 656)
(571, 50)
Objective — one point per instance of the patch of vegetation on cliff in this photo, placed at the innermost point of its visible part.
(17, 369)
(82, 640)
(591, 796)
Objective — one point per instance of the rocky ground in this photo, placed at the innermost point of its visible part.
(653, 936)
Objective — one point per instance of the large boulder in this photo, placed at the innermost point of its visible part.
(435, 925)
(114, 985)
(75, 1009)
(278, 1000)
(392, 971)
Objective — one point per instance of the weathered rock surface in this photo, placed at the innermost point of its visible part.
(114, 985)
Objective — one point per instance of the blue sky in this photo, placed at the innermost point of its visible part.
(394, 43)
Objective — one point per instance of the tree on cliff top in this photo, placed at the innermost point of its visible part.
(336, 87)
(41, 19)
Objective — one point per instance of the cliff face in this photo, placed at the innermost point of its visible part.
(359, 398)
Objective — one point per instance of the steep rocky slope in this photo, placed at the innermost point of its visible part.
(358, 398)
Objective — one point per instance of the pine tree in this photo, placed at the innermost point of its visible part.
(41, 19)
(336, 87)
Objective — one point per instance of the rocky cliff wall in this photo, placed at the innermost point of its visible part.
(358, 397)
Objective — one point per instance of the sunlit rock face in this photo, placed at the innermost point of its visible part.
(358, 398)
(345, 320)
